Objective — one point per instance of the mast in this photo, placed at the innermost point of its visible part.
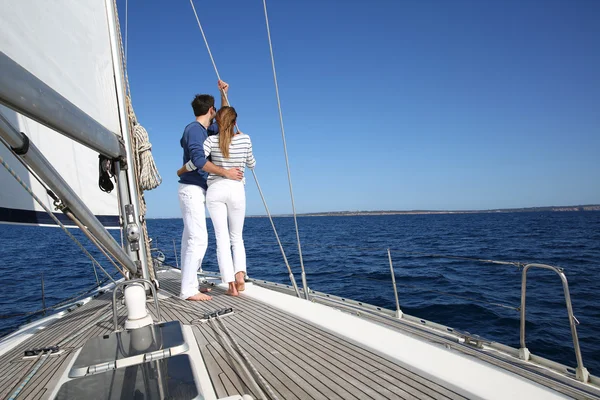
(129, 200)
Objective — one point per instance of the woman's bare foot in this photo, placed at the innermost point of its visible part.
(232, 291)
(240, 284)
(199, 297)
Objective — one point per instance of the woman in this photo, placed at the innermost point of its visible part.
(226, 198)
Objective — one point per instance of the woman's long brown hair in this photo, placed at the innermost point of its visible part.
(226, 118)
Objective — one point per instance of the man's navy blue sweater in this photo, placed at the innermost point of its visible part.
(192, 143)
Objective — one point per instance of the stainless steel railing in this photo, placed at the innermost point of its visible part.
(581, 372)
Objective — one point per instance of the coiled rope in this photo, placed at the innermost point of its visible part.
(148, 176)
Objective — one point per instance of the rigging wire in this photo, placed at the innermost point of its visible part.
(285, 259)
(51, 214)
(405, 253)
(291, 275)
(95, 241)
(287, 162)
(449, 294)
(64, 209)
(518, 264)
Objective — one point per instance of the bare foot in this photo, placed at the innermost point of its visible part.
(199, 297)
(232, 291)
(240, 284)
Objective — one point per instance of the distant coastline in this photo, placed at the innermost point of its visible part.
(587, 207)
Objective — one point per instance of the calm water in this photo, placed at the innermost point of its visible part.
(347, 256)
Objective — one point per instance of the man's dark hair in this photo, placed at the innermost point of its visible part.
(202, 103)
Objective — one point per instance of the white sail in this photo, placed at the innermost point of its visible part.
(66, 44)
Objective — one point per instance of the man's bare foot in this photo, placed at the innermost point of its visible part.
(199, 297)
(240, 284)
(232, 291)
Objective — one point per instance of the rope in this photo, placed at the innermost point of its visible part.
(261, 379)
(42, 358)
(253, 172)
(148, 176)
(233, 347)
(256, 388)
(287, 162)
(51, 214)
(206, 42)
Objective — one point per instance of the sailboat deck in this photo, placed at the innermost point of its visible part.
(297, 359)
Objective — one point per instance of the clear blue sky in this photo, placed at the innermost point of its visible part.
(387, 104)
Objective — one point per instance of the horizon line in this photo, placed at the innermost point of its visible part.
(586, 207)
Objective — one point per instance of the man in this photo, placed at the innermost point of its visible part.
(192, 191)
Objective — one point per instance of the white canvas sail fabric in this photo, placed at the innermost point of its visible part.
(66, 44)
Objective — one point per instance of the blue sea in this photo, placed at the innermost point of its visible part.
(347, 256)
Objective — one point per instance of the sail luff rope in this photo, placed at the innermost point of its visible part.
(287, 161)
(51, 214)
(291, 274)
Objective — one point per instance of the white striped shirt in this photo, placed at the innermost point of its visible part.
(240, 154)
